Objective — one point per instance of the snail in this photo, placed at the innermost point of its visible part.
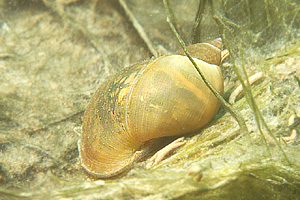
(157, 98)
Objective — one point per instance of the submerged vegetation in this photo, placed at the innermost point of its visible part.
(54, 55)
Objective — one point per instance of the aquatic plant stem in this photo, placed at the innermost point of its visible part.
(231, 110)
(250, 99)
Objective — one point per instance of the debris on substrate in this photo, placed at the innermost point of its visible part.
(53, 54)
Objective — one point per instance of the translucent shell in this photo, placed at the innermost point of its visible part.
(157, 98)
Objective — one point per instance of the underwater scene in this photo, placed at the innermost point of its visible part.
(161, 99)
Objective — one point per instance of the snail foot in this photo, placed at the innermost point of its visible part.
(161, 154)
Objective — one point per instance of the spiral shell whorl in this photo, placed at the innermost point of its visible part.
(157, 98)
(209, 52)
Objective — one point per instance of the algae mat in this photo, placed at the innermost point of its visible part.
(54, 54)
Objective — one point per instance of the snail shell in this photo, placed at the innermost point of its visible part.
(157, 98)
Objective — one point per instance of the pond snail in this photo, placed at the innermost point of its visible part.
(159, 97)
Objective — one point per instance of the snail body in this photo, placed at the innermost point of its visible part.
(157, 98)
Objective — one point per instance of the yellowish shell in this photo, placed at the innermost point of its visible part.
(157, 98)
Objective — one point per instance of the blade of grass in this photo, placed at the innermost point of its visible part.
(231, 110)
(250, 99)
